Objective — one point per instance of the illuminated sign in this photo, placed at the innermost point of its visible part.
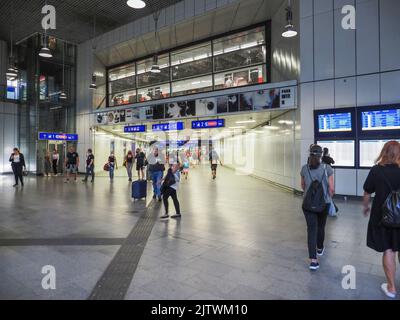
(168, 126)
(334, 122)
(208, 124)
(58, 136)
(133, 129)
(381, 120)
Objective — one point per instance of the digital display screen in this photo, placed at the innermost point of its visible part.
(129, 129)
(168, 126)
(335, 122)
(208, 124)
(369, 151)
(380, 120)
(342, 152)
(58, 136)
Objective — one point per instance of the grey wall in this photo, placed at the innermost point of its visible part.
(347, 68)
(285, 51)
(8, 117)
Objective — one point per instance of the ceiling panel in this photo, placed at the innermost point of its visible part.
(203, 27)
(74, 18)
(246, 13)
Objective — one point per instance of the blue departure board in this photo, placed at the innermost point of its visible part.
(380, 120)
(335, 122)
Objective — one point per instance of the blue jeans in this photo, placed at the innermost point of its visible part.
(111, 172)
(156, 177)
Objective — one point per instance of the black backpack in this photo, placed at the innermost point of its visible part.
(314, 200)
(391, 207)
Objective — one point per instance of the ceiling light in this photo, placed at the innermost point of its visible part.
(136, 4)
(289, 28)
(63, 95)
(289, 32)
(245, 121)
(45, 53)
(238, 127)
(155, 68)
(12, 72)
(93, 84)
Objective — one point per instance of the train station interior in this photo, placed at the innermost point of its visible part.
(236, 96)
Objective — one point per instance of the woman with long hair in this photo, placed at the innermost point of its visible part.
(312, 174)
(383, 178)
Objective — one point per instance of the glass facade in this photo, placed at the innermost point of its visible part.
(239, 59)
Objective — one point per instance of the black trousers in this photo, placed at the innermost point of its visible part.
(171, 192)
(315, 231)
(55, 166)
(17, 169)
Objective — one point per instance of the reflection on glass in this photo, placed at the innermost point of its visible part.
(154, 93)
(191, 86)
(240, 58)
(146, 78)
(122, 98)
(241, 77)
(193, 61)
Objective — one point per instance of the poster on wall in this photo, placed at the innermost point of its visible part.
(111, 117)
(287, 97)
(222, 104)
(158, 112)
(207, 106)
(233, 103)
(180, 109)
(266, 99)
(246, 101)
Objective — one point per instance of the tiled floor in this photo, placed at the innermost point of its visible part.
(239, 238)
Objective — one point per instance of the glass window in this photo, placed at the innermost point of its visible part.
(191, 86)
(117, 99)
(193, 61)
(122, 79)
(245, 48)
(240, 77)
(154, 93)
(146, 78)
(12, 89)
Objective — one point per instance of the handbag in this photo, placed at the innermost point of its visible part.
(332, 207)
(168, 181)
(391, 207)
(106, 167)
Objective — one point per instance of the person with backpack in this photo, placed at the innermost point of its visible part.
(318, 186)
(169, 188)
(383, 233)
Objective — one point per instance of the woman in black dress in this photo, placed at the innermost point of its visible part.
(382, 179)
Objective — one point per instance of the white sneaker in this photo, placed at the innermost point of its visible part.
(389, 294)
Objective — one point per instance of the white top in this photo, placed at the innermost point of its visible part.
(177, 180)
(55, 156)
(16, 159)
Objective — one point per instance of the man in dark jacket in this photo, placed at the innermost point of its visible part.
(18, 164)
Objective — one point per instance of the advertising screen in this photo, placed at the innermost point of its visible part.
(342, 151)
(369, 151)
(335, 122)
(380, 120)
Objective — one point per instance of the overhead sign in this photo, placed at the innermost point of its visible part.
(133, 129)
(208, 124)
(168, 126)
(58, 136)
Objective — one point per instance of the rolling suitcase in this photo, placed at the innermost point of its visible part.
(139, 189)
